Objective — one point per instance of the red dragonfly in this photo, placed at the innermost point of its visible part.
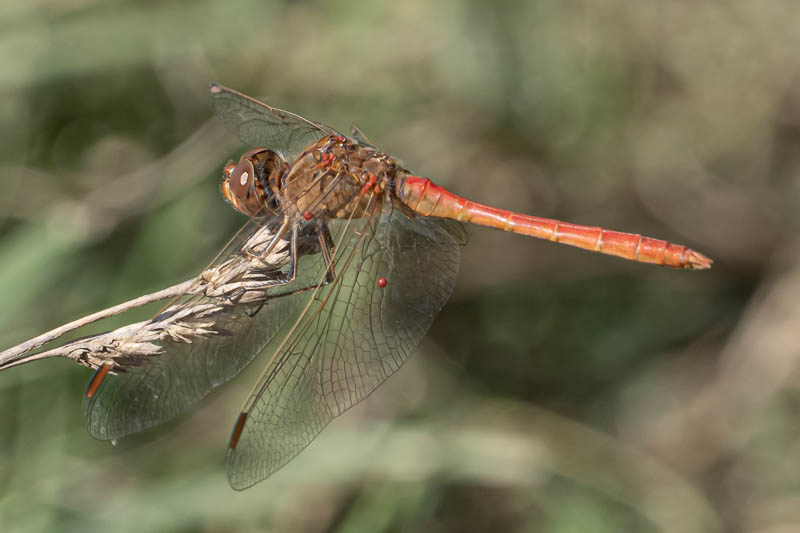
(372, 256)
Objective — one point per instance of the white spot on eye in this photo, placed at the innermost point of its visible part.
(244, 178)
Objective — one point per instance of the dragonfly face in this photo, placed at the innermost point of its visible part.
(251, 184)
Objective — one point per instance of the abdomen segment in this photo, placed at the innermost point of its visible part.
(428, 199)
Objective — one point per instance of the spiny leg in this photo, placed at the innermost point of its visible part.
(326, 248)
(237, 293)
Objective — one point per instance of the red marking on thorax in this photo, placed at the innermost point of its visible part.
(370, 182)
(325, 161)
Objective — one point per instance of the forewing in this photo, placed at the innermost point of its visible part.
(352, 337)
(258, 124)
(215, 341)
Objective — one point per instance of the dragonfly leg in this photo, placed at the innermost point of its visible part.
(236, 294)
(326, 248)
(249, 286)
(290, 277)
(257, 256)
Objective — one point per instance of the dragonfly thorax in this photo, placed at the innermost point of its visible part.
(338, 178)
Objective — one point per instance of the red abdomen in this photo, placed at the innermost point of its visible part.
(428, 199)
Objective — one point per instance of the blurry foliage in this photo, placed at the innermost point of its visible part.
(559, 391)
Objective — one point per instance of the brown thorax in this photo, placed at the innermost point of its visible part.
(337, 178)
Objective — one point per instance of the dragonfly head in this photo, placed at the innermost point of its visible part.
(246, 184)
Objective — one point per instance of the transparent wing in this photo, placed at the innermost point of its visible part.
(359, 136)
(208, 341)
(354, 335)
(258, 124)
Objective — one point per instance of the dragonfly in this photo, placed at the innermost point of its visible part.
(371, 254)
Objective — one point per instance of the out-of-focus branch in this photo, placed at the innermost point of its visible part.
(126, 195)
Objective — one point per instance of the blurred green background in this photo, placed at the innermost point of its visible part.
(559, 391)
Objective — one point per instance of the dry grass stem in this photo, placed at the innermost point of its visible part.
(200, 304)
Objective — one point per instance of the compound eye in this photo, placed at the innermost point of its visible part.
(241, 177)
(227, 170)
